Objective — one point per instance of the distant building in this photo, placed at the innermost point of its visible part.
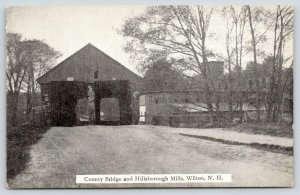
(188, 104)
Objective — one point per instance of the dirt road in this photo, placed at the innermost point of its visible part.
(65, 152)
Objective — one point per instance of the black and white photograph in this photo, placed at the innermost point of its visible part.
(156, 96)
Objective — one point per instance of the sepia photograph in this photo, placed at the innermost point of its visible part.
(162, 96)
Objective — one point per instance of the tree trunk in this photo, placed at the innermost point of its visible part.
(203, 66)
(210, 90)
(230, 103)
(241, 95)
(209, 102)
(230, 94)
(30, 92)
(207, 91)
(257, 86)
(209, 95)
(32, 88)
(28, 101)
(279, 87)
(240, 103)
(270, 94)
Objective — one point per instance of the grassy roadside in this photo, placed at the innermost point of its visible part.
(19, 141)
(266, 147)
(271, 129)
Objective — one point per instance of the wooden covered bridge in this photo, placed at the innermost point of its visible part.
(90, 87)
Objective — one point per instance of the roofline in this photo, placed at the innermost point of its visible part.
(118, 63)
(58, 65)
(172, 91)
(214, 61)
(198, 91)
(89, 44)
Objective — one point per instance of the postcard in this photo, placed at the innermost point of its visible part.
(149, 96)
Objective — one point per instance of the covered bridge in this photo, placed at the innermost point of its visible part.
(90, 87)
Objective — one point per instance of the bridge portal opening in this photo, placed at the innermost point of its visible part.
(110, 109)
(113, 103)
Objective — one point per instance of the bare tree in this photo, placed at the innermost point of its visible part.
(234, 35)
(255, 67)
(239, 20)
(25, 59)
(181, 31)
(40, 57)
(15, 74)
(283, 30)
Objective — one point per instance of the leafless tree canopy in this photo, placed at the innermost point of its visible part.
(26, 61)
(182, 34)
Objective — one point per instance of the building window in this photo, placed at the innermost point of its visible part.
(150, 99)
(186, 100)
(46, 97)
(70, 78)
(156, 101)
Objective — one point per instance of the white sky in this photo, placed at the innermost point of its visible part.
(69, 28)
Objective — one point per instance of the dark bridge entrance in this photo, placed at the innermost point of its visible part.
(121, 109)
(63, 96)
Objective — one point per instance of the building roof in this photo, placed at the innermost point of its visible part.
(202, 107)
(82, 66)
(172, 91)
